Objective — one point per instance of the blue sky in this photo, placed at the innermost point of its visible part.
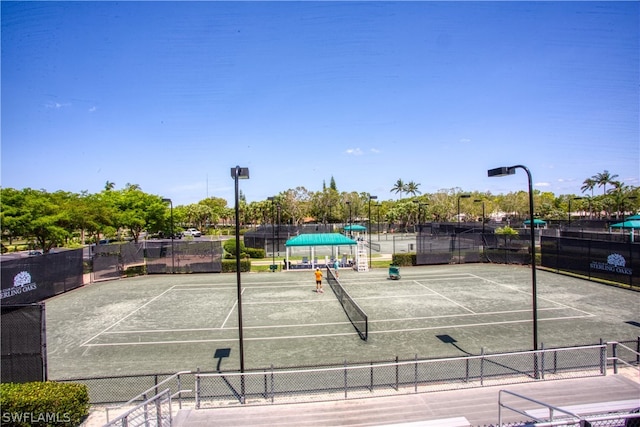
(172, 95)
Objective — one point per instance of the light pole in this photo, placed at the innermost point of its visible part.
(378, 219)
(238, 173)
(419, 219)
(348, 202)
(461, 196)
(503, 171)
(481, 201)
(570, 199)
(273, 234)
(369, 224)
(173, 256)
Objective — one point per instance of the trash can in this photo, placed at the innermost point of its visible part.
(394, 272)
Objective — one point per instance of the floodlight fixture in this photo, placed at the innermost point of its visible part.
(240, 173)
(501, 171)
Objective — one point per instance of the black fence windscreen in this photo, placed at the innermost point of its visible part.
(23, 343)
(606, 260)
(33, 279)
(202, 256)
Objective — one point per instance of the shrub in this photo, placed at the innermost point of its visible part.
(229, 266)
(404, 259)
(230, 247)
(256, 252)
(43, 404)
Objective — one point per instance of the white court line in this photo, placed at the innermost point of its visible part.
(471, 325)
(489, 313)
(128, 315)
(537, 297)
(349, 280)
(232, 310)
(447, 298)
(151, 331)
(396, 296)
(222, 340)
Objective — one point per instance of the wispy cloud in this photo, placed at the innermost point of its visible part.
(56, 105)
(542, 184)
(354, 151)
(375, 151)
(465, 140)
(93, 109)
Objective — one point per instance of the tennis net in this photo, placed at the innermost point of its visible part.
(356, 315)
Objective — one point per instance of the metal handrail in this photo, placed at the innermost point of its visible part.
(616, 359)
(142, 404)
(144, 393)
(551, 408)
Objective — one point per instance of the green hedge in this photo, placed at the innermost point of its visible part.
(255, 253)
(43, 404)
(229, 266)
(403, 259)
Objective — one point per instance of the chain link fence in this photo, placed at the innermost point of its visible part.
(401, 377)
(347, 381)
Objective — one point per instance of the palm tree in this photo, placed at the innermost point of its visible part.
(412, 188)
(399, 187)
(604, 178)
(588, 185)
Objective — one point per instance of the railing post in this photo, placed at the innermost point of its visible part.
(398, 373)
(371, 377)
(482, 366)
(614, 355)
(345, 378)
(266, 387)
(542, 353)
(146, 410)
(179, 392)
(198, 389)
(415, 374)
(158, 413)
(466, 377)
(603, 357)
(500, 408)
(272, 384)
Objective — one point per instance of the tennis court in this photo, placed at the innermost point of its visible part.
(169, 323)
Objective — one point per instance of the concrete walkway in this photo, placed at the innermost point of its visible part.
(470, 407)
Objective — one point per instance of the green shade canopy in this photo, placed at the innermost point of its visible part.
(355, 227)
(322, 239)
(536, 222)
(633, 218)
(634, 223)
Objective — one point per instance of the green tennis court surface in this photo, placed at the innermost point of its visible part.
(168, 323)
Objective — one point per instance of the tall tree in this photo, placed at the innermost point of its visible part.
(399, 187)
(604, 178)
(588, 185)
(332, 184)
(412, 188)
